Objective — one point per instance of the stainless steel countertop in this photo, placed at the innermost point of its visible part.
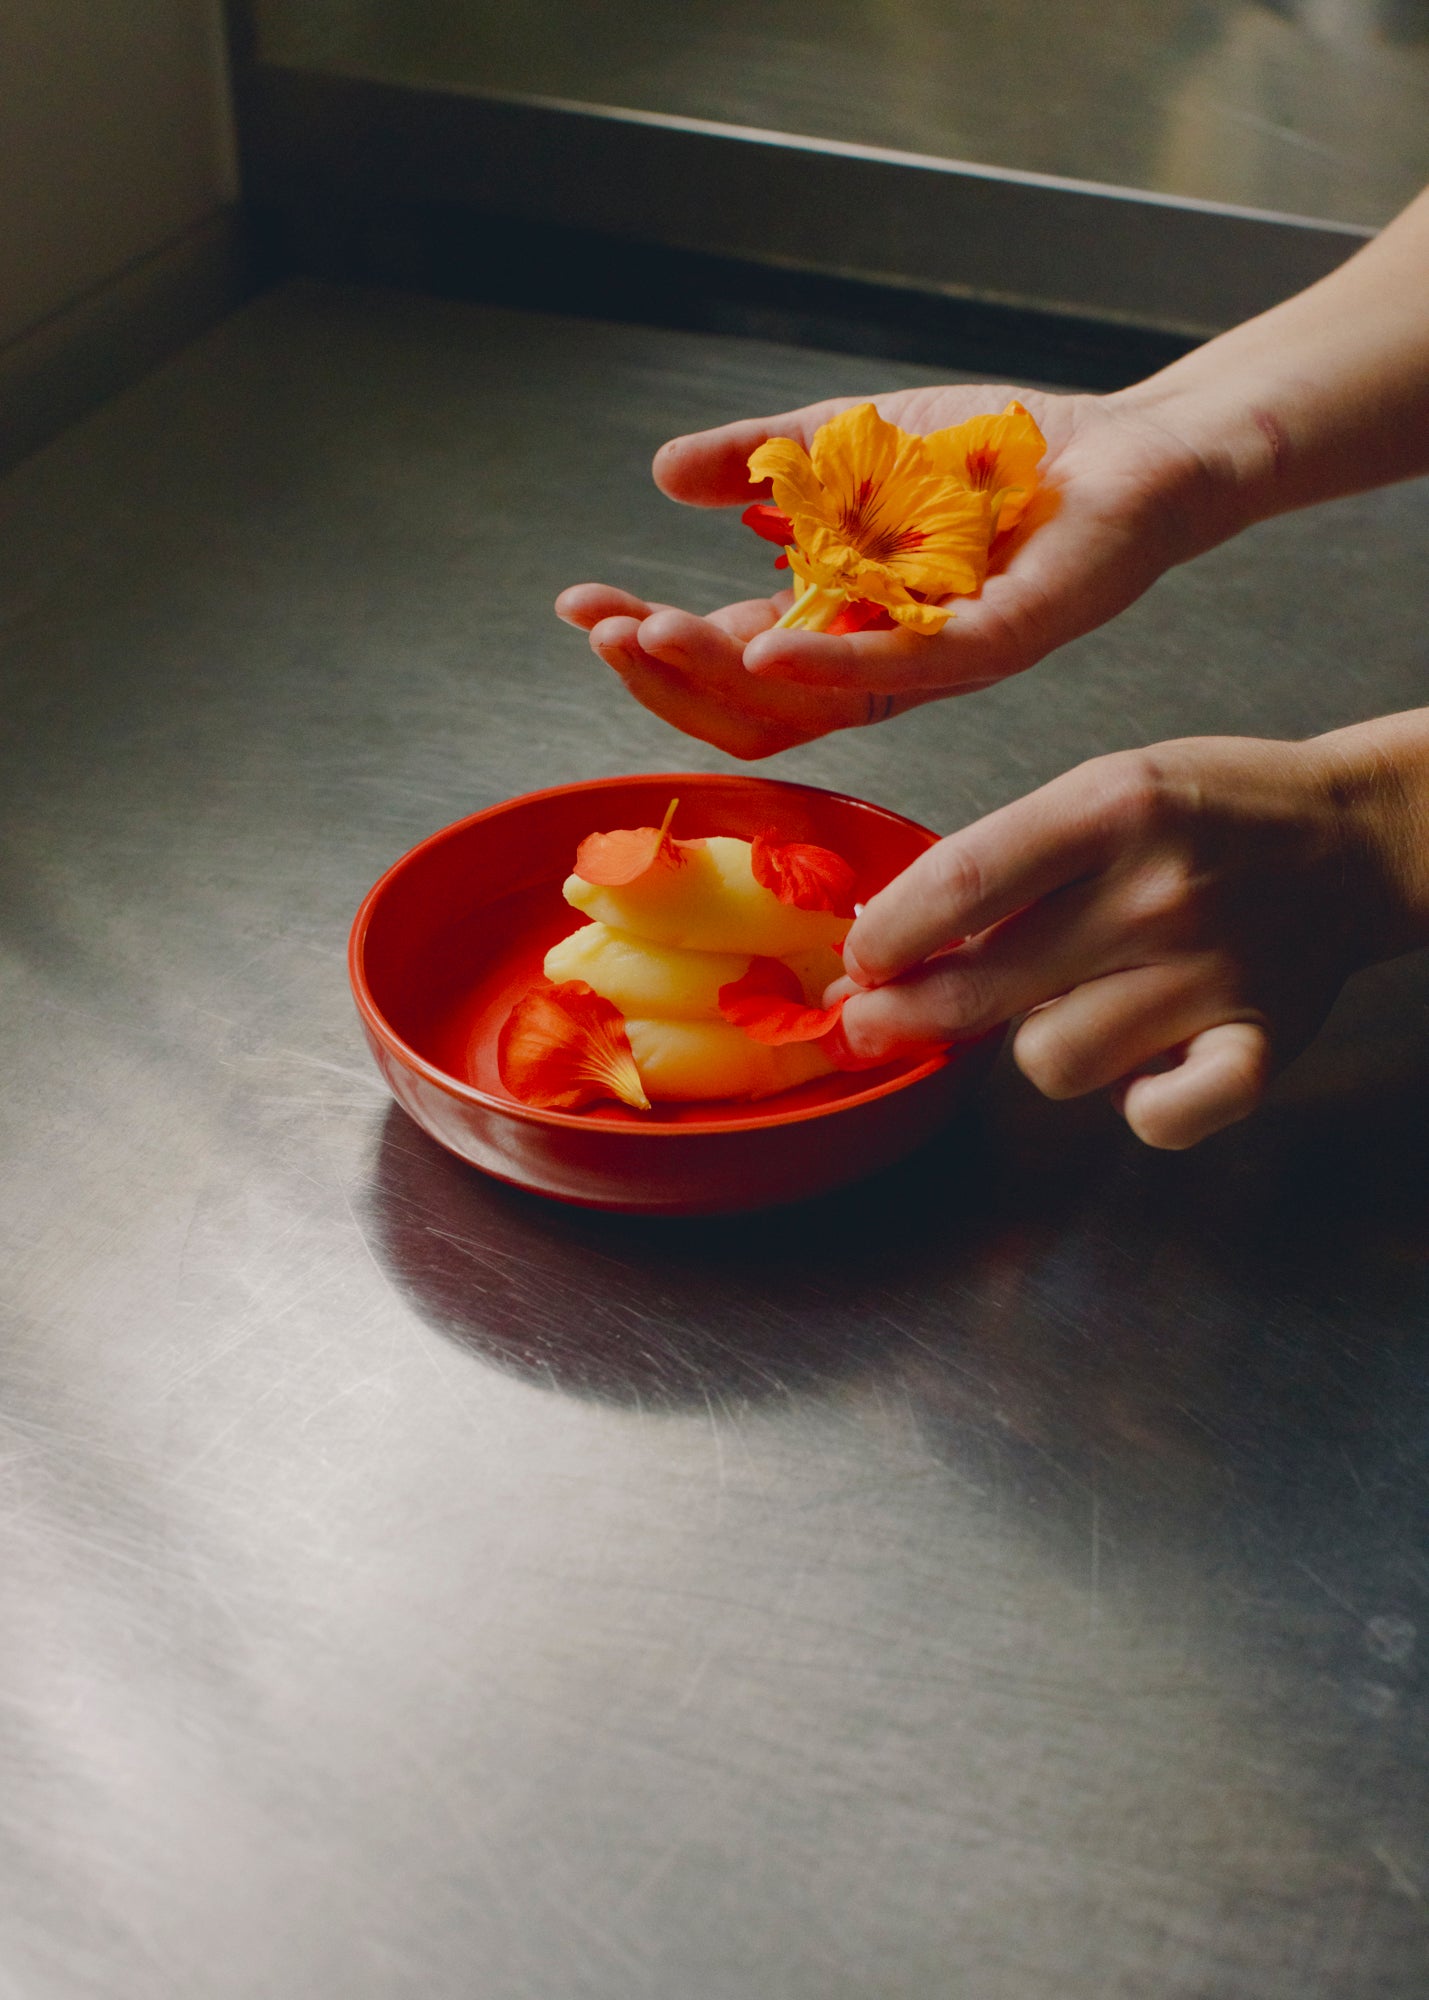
(1008, 1580)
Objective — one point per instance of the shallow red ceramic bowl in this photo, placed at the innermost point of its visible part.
(455, 932)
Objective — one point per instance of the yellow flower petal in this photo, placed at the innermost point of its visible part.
(796, 484)
(925, 619)
(857, 458)
(875, 514)
(998, 456)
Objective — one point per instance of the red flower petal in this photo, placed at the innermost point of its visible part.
(563, 1046)
(860, 614)
(804, 876)
(771, 523)
(768, 1003)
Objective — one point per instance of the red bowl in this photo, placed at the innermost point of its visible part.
(455, 931)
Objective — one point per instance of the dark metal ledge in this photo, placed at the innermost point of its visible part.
(1171, 266)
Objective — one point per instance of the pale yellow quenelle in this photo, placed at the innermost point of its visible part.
(691, 1061)
(660, 949)
(704, 898)
(646, 980)
(670, 999)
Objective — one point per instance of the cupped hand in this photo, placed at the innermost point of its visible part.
(1123, 498)
(691, 671)
(1173, 923)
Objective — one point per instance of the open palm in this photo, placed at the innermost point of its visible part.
(1118, 506)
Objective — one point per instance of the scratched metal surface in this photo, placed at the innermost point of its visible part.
(1309, 107)
(1006, 1580)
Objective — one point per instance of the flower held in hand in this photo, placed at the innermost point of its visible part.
(881, 521)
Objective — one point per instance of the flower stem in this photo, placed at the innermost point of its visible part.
(811, 610)
(795, 614)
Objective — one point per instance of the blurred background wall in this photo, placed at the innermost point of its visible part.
(1067, 193)
(117, 233)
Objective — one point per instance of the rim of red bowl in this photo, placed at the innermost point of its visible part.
(586, 1121)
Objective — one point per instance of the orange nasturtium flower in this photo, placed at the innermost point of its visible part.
(880, 522)
(998, 456)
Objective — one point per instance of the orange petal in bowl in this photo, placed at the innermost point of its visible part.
(805, 876)
(611, 860)
(768, 1003)
(563, 1046)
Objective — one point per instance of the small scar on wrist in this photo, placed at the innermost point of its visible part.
(1276, 436)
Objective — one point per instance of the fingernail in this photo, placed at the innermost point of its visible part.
(852, 1051)
(854, 970)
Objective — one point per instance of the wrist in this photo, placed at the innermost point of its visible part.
(1212, 422)
(1375, 779)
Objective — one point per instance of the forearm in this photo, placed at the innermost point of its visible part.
(1324, 395)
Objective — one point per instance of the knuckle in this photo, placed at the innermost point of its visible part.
(963, 995)
(1051, 1060)
(1130, 794)
(1248, 1061)
(955, 877)
(1163, 901)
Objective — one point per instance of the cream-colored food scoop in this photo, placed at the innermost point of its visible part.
(702, 896)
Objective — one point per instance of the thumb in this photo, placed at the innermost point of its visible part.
(711, 468)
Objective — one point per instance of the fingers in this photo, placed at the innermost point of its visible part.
(1221, 1078)
(711, 468)
(1101, 1031)
(986, 638)
(1079, 569)
(585, 604)
(690, 672)
(883, 662)
(1067, 941)
(1208, 1071)
(756, 614)
(1054, 837)
(1093, 1038)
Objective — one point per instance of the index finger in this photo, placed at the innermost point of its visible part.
(1056, 836)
